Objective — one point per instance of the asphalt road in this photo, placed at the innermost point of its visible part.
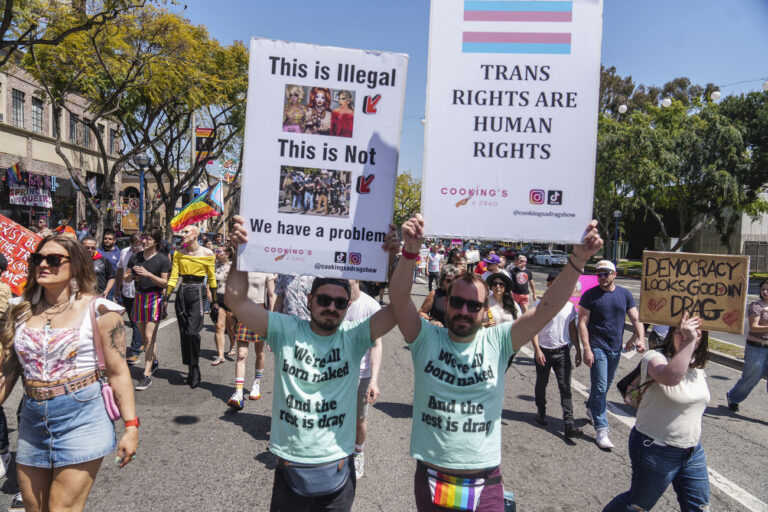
(197, 454)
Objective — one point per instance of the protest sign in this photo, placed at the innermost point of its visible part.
(712, 286)
(30, 196)
(16, 243)
(511, 119)
(584, 283)
(322, 139)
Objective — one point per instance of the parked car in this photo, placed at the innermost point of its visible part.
(550, 258)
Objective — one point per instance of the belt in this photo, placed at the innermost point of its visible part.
(756, 344)
(555, 350)
(190, 279)
(46, 393)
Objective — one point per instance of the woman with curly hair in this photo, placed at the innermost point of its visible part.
(317, 117)
(64, 428)
(343, 118)
(294, 110)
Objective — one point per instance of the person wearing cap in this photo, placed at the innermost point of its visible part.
(523, 283)
(501, 305)
(492, 266)
(552, 347)
(317, 371)
(459, 378)
(601, 329)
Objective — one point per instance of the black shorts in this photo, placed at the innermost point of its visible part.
(220, 301)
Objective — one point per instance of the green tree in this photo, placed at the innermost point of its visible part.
(407, 197)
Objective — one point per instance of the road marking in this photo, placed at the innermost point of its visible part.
(731, 489)
(167, 322)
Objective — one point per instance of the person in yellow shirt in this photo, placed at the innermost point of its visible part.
(192, 263)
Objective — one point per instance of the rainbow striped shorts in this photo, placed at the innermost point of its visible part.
(147, 307)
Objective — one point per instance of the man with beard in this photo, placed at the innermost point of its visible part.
(459, 378)
(317, 368)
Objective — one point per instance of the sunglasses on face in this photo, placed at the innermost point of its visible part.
(498, 283)
(325, 300)
(473, 306)
(53, 260)
(603, 274)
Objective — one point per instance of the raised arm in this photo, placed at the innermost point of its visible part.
(406, 314)
(559, 292)
(672, 372)
(383, 320)
(253, 315)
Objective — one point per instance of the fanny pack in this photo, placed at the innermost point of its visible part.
(455, 492)
(316, 480)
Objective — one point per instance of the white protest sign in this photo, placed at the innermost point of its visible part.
(322, 139)
(511, 119)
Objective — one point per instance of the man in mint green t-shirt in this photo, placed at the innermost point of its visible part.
(317, 368)
(459, 378)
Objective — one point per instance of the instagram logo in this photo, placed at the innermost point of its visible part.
(355, 258)
(536, 196)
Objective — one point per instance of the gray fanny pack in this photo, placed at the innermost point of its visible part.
(316, 480)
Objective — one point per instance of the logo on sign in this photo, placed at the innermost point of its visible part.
(340, 257)
(536, 196)
(554, 197)
(355, 258)
(369, 104)
(364, 184)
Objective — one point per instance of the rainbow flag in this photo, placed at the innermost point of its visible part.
(454, 492)
(206, 205)
(14, 173)
(527, 16)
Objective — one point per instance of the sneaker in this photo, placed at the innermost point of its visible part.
(236, 401)
(144, 383)
(603, 442)
(5, 461)
(255, 391)
(541, 417)
(359, 465)
(572, 431)
(732, 405)
(132, 359)
(17, 504)
(589, 416)
(155, 366)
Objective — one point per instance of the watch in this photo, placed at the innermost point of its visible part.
(133, 423)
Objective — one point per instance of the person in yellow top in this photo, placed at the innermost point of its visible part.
(192, 263)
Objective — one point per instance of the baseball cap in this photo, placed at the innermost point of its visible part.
(606, 265)
(492, 259)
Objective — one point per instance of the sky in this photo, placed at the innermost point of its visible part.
(653, 41)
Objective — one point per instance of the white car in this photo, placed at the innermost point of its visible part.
(551, 258)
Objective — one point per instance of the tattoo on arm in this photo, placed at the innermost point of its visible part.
(117, 338)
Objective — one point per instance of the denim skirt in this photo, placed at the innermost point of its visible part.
(65, 430)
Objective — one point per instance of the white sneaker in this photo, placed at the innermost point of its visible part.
(589, 416)
(255, 391)
(602, 440)
(5, 460)
(359, 465)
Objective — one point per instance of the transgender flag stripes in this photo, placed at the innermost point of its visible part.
(525, 14)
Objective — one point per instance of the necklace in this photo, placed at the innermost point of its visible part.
(49, 319)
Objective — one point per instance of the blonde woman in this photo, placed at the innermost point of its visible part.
(294, 110)
(64, 429)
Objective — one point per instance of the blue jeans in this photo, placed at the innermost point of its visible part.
(654, 467)
(309, 203)
(755, 366)
(601, 376)
(297, 201)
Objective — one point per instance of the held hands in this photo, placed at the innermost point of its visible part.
(590, 244)
(127, 447)
(413, 232)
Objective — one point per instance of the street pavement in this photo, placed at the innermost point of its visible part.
(197, 454)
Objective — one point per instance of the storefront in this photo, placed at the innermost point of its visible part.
(26, 197)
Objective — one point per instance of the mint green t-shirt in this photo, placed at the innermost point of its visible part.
(314, 409)
(457, 398)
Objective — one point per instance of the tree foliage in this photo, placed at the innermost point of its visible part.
(407, 197)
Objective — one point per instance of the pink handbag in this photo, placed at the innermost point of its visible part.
(113, 411)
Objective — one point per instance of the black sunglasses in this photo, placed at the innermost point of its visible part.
(473, 306)
(325, 300)
(53, 260)
(603, 274)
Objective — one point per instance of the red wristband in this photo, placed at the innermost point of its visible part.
(409, 255)
(133, 423)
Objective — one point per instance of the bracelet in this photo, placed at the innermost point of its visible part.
(409, 255)
(577, 269)
(133, 423)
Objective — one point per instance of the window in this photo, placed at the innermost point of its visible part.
(86, 134)
(113, 141)
(37, 115)
(73, 129)
(18, 108)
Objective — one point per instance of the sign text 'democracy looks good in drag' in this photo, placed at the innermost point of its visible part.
(511, 131)
(322, 139)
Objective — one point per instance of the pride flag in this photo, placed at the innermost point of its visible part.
(206, 205)
(527, 15)
(14, 173)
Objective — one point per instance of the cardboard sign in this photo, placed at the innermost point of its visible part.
(322, 139)
(16, 243)
(712, 286)
(511, 119)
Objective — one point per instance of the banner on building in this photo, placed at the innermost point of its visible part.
(712, 286)
(321, 149)
(16, 243)
(92, 186)
(27, 196)
(511, 119)
(203, 143)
